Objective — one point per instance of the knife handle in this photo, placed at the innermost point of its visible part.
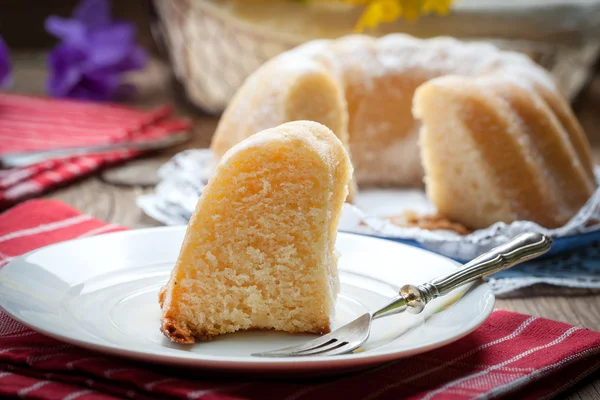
(25, 159)
(522, 248)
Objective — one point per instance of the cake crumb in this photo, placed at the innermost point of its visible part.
(410, 219)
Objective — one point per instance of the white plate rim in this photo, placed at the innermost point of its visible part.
(244, 363)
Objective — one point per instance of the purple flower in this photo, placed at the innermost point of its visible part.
(94, 53)
(4, 64)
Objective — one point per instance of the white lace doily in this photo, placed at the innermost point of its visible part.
(185, 175)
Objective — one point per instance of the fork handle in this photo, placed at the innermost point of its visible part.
(522, 248)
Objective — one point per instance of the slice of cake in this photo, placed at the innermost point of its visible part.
(259, 249)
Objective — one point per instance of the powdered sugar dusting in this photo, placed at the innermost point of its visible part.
(357, 61)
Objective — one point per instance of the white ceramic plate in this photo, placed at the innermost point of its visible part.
(101, 293)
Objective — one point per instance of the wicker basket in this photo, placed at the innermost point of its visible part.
(212, 52)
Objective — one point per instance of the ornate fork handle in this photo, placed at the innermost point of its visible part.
(522, 248)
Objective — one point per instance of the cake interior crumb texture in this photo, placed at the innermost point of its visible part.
(259, 251)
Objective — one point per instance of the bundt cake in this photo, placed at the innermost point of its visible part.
(259, 251)
(363, 88)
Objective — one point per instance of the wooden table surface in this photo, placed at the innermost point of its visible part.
(115, 203)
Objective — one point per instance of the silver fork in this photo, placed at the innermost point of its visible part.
(414, 298)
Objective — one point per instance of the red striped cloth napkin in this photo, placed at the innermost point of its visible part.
(34, 124)
(510, 355)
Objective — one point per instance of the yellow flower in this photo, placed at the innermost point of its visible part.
(378, 11)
